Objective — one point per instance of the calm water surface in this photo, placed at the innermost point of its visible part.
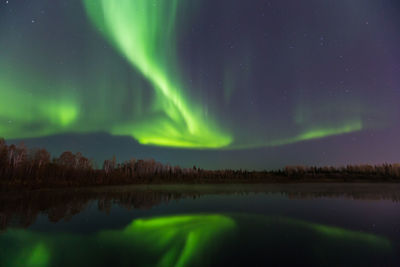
(201, 225)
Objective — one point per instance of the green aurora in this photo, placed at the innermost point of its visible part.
(144, 33)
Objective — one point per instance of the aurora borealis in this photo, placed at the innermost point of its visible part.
(230, 83)
(143, 31)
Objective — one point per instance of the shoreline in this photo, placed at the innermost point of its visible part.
(279, 180)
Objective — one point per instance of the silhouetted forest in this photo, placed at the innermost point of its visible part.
(36, 168)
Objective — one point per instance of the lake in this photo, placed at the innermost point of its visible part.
(203, 225)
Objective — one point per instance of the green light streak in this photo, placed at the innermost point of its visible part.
(326, 131)
(309, 134)
(320, 133)
(143, 31)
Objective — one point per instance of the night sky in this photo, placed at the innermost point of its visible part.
(213, 83)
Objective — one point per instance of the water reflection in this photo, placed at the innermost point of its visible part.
(22, 208)
(172, 241)
(199, 240)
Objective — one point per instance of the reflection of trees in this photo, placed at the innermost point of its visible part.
(22, 208)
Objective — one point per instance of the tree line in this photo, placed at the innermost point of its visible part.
(35, 167)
